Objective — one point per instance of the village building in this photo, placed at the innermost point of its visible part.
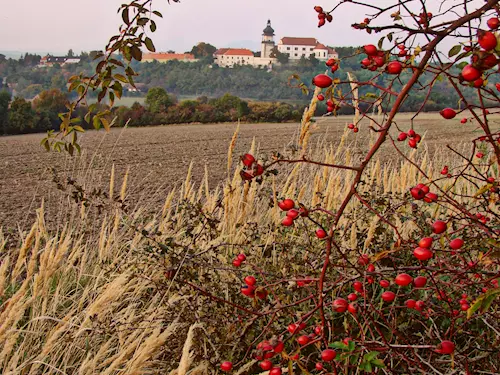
(229, 57)
(166, 57)
(61, 60)
(295, 48)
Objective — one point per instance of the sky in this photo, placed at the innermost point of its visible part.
(55, 26)
(58, 25)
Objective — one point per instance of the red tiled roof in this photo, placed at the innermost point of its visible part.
(299, 41)
(331, 51)
(320, 46)
(238, 52)
(221, 51)
(168, 56)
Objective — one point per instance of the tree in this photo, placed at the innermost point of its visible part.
(157, 100)
(22, 118)
(203, 49)
(313, 60)
(31, 91)
(4, 110)
(282, 58)
(48, 104)
(70, 53)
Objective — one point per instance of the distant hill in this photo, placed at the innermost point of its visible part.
(17, 54)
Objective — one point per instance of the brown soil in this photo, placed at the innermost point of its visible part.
(158, 158)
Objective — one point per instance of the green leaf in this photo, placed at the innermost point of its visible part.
(338, 345)
(142, 21)
(73, 85)
(149, 44)
(100, 66)
(351, 346)
(118, 89)
(136, 52)
(378, 363)
(96, 122)
(45, 143)
(462, 65)
(455, 50)
(78, 128)
(121, 77)
(389, 36)
(354, 359)
(381, 42)
(368, 367)
(102, 94)
(370, 356)
(125, 16)
(483, 302)
(152, 26)
(105, 123)
(111, 99)
(127, 53)
(87, 117)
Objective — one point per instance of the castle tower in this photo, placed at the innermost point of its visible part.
(267, 44)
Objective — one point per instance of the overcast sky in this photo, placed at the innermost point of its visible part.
(57, 25)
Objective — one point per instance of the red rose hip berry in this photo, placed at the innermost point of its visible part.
(448, 113)
(439, 227)
(403, 279)
(322, 80)
(328, 355)
(226, 366)
(422, 254)
(388, 296)
(445, 347)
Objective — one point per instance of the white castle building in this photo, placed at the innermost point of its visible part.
(295, 48)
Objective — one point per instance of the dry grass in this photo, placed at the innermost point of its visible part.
(85, 299)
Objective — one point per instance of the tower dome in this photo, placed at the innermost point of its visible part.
(269, 31)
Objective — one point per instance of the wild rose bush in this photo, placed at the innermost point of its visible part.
(422, 303)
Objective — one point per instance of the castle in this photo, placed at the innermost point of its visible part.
(295, 48)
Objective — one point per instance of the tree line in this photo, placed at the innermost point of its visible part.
(202, 79)
(20, 116)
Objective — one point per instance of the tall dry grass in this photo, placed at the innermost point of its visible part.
(92, 297)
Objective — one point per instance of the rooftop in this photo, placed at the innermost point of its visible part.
(168, 56)
(299, 41)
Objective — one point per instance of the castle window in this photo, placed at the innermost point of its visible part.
(303, 48)
(288, 48)
(296, 49)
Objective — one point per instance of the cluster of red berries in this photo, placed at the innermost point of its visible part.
(267, 349)
(402, 51)
(421, 191)
(414, 138)
(251, 290)
(288, 205)
(322, 16)
(424, 18)
(241, 258)
(482, 59)
(330, 105)
(376, 59)
(353, 127)
(252, 168)
(333, 64)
